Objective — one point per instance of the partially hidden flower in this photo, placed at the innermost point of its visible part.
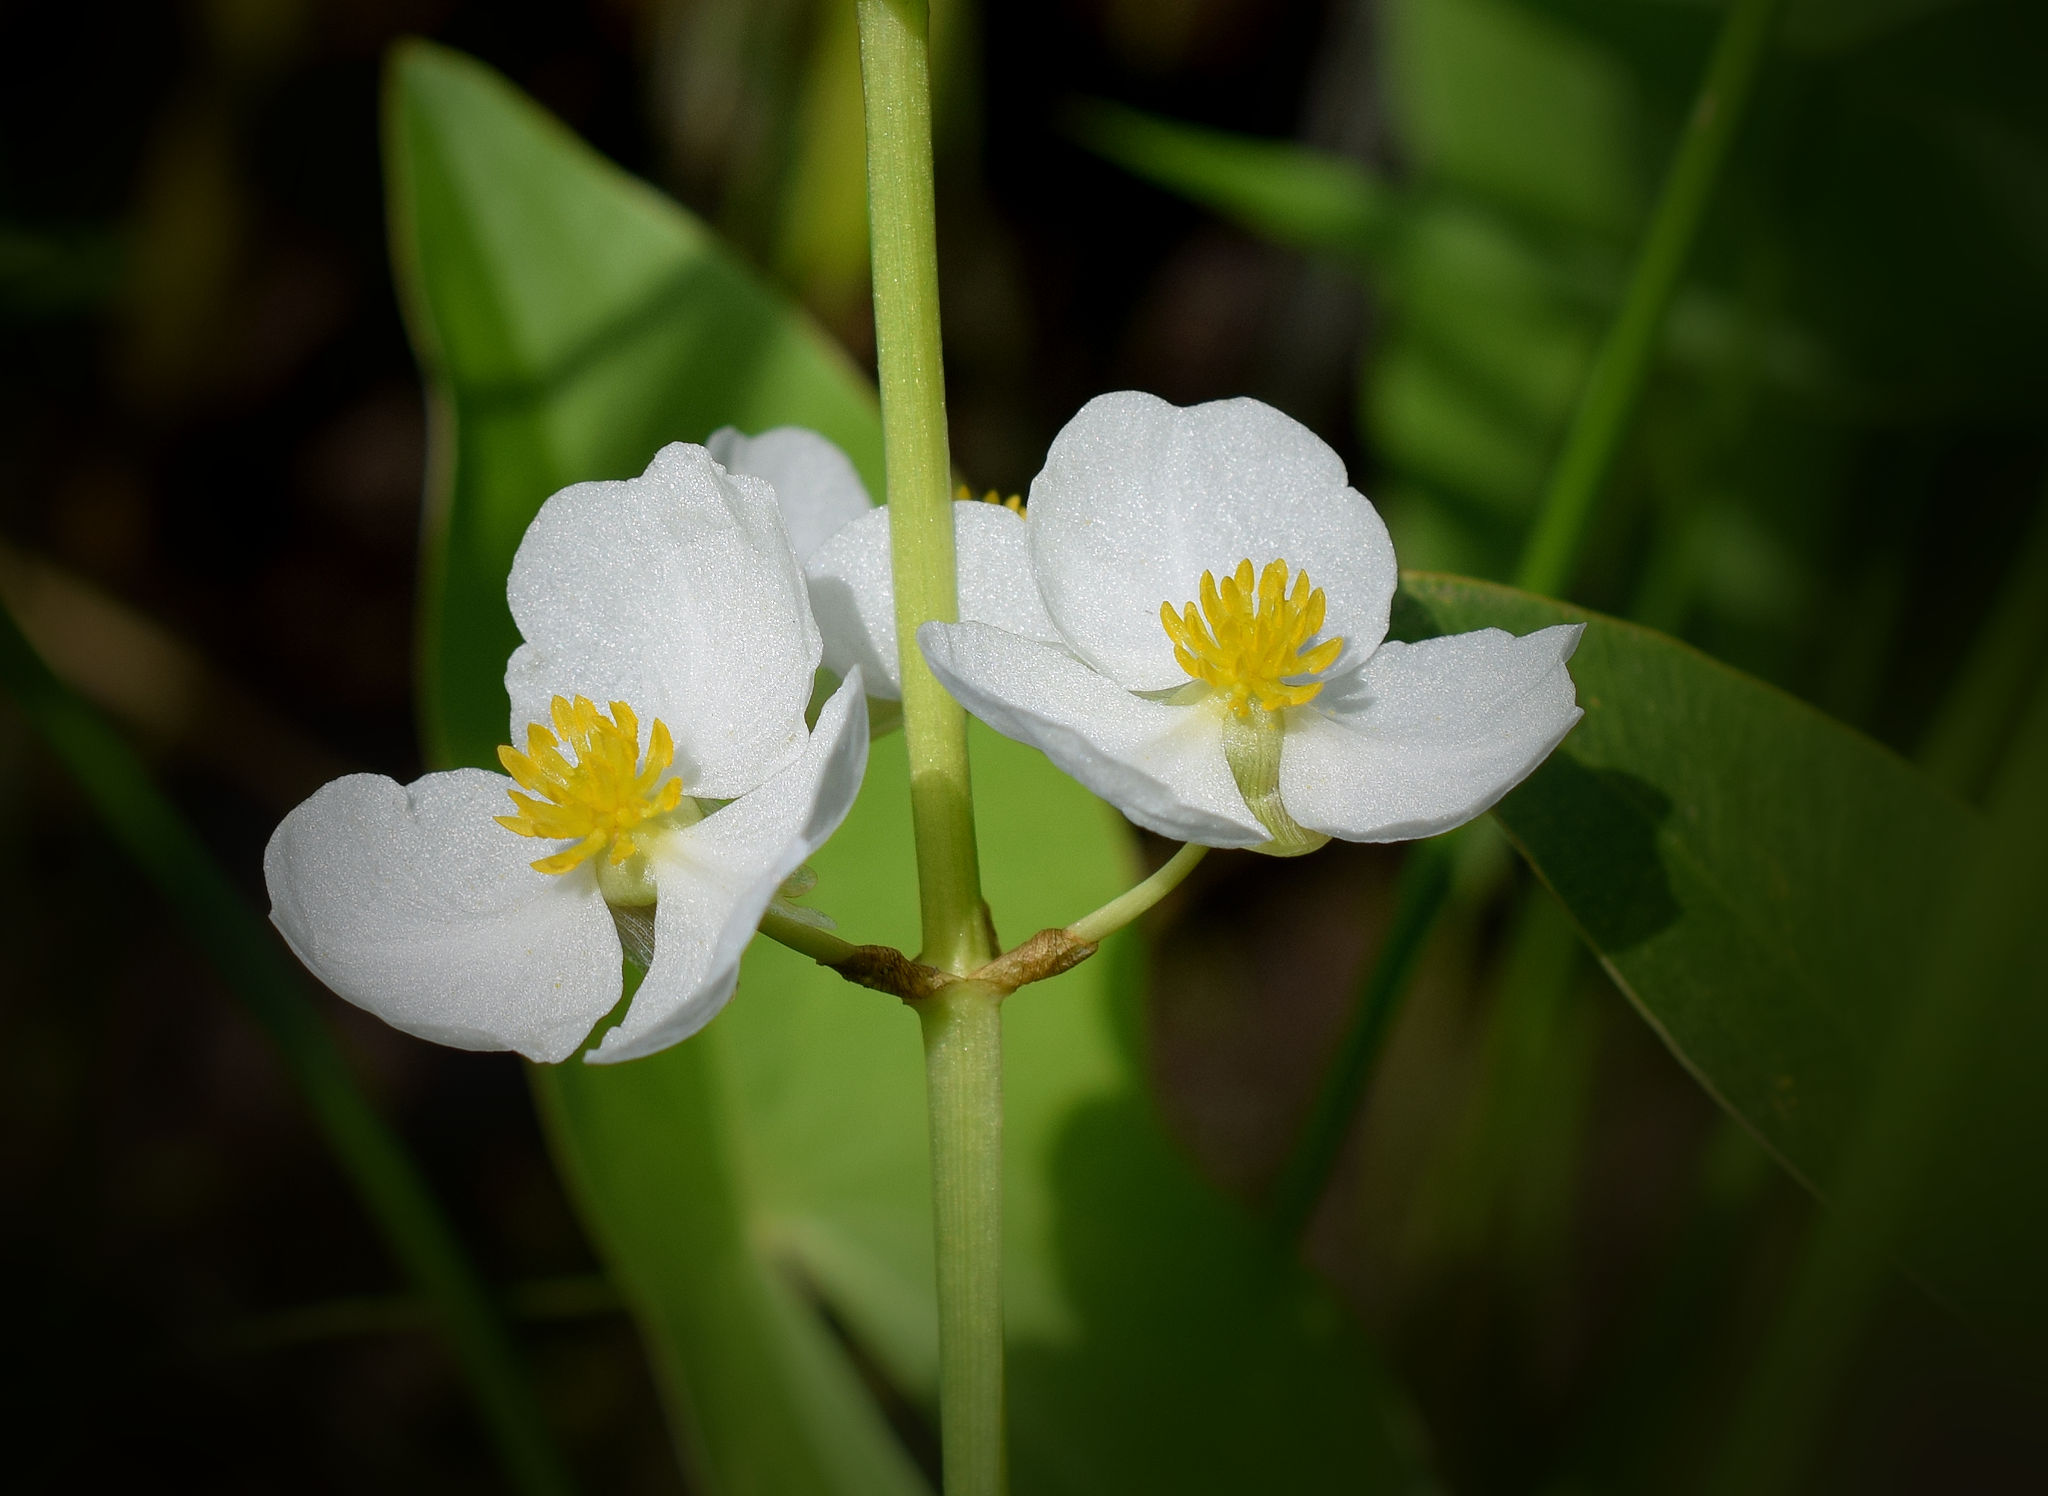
(1216, 663)
(660, 787)
(842, 540)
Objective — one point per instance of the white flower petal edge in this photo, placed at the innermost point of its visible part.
(408, 901)
(1160, 765)
(675, 592)
(854, 595)
(715, 879)
(1138, 498)
(1428, 735)
(815, 483)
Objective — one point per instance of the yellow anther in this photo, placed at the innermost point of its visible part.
(1246, 641)
(1014, 503)
(600, 795)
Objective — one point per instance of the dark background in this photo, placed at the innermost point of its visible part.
(211, 441)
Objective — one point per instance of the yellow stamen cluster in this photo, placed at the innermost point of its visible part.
(1014, 503)
(599, 796)
(1246, 642)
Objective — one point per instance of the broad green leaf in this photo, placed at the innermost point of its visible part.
(573, 321)
(1763, 883)
(1950, 1121)
(775, 1166)
(761, 1397)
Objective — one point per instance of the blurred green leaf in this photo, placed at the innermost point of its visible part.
(1488, 335)
(1762, 883)
(1832, 25)
(1491, 319)
(572, 321)
(1308, 199)
(56, 273)
(1518, 109)
(1948, 1122)
(775, 1166)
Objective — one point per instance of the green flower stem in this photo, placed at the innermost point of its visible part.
(249, 955)
(963, 1022)
(1420, 896)
(1608, 402)
(963, 1067)
(1598, 425)
(1093, 929)
(896, 82)
(822, 946)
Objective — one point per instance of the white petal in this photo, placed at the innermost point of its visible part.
(1138, 498)
(815, 483)
(715, 879)
(1433, 733)
(855, 599)
(1160, 765)
(677, 593)
(408, 900)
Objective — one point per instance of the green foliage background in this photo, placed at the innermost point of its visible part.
(1799, 831)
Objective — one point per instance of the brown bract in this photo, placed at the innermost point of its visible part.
(886, 969)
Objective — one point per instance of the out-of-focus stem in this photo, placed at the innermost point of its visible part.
(1608, 403)
(1420, 896)
(1598, 426)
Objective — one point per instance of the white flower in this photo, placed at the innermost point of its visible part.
(1189, 682)
(674, 598)
(843, 543)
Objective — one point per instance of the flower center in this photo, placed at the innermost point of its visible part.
(598, 797)
(1014, 503)
(1246, 642)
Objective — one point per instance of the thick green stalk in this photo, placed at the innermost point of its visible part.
(963, 1067)
(1623, 362)
(896, 81)
(249, 955)
(962, 1023)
